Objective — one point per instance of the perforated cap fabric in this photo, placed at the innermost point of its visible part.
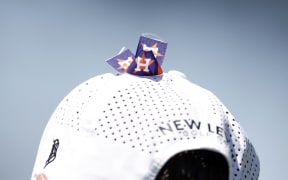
(126, 127)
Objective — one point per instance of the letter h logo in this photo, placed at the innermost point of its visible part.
(143, 64)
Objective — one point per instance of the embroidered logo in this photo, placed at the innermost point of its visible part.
(53, 152)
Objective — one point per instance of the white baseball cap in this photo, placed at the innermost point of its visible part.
(128, 127)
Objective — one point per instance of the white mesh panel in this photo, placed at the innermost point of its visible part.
(152, 114)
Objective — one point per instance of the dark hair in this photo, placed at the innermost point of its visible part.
(195, 165)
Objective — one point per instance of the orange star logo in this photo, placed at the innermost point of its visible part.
(153, 48)
(124, 63)
(143, 63)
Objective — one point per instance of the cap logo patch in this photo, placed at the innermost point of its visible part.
(53, 152)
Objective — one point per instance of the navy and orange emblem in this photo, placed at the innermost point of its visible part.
(147, 61)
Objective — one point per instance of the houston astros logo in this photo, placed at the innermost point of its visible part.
(146, 62)
(124, 63)
(153, 48)
(143, 63)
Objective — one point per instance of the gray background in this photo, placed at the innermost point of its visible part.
(236, 49)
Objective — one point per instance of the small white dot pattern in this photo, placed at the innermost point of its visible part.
(131, 112)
